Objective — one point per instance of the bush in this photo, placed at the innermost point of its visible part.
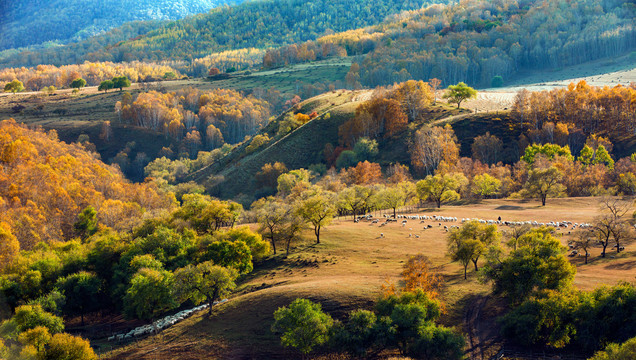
(497, 81)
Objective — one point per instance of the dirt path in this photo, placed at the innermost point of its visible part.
(472, 327)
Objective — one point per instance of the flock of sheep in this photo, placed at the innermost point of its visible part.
(159, 325)
(559, 225)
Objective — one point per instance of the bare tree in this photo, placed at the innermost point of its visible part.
(583, 241)
(611, 222)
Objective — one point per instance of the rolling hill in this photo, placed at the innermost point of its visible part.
(258, 24)
(34, 22)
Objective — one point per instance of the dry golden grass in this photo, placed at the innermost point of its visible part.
(347, 270)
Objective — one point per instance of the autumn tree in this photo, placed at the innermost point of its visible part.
(418, 274)
(611, 223)
(204, 282)
(487, 148)
(269, 173)
(431, 145)
(440, 188)
(9, 245)
(414, 96)
(271, 214)
(68, 347)
(460, 92)
(543, 183)
(434, 83)
(318, 209)
(394, 197)
(583, 241)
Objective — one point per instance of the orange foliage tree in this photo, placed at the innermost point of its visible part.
(45, 183)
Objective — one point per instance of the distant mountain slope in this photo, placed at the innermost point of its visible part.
(257, 24)
(32, 22)
(476, 40)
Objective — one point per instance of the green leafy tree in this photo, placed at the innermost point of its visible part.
(589, 156)
(318, 210)
(538, 264)
(14, 86)
(204, 282)
(549, 150)
(460, 92)
(440, 188)
(78, 84)
(105, 86)
(544, 320)
(86, 224)
(365, 149)
(288, 181)
(470, 242)
(258, 247)
(346, 159)
(82, 291)
(356, 199)
(412, 326)
(303, 325)
(486, 185)
(121, 82)
(603, 157)
(150, 294)
(542, 183)
(624, 351)
(232, 254)
(362, 333)
(497, 81)
(31, 316)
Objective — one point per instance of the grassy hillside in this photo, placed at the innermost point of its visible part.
(346, 271)
(72, 115)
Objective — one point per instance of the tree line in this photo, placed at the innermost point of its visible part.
(42, 76)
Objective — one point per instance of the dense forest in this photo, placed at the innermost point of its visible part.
(474, 41)
(220, 115)
(258, 24)
(25, 23)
